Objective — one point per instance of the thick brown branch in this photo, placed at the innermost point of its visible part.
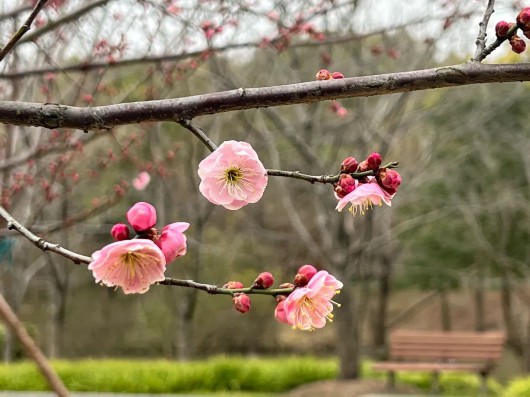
(106, 117)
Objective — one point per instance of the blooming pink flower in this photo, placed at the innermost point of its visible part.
(132, 265)
(364, 197)
(141, 181)
(172, 240)
(232, 176)
(309, 307)
(142, 216)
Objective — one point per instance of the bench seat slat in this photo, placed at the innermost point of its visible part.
(411, 366)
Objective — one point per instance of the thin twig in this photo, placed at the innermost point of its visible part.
(483, 25)
(195, 130)
(13, 224)
(23, 29)
(325, 178)
(493, 46)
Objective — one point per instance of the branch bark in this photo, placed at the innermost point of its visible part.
(177, 109)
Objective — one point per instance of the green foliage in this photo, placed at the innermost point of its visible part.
(519, 387)
(224, 374)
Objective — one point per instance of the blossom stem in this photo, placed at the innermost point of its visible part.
(13, 224)
(325, 178)
(215, 290)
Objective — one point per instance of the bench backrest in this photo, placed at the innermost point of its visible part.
(438, 345)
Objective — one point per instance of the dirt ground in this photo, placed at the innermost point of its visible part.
(353, 388)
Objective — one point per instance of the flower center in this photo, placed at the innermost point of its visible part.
(233, 175)
(131, 259)
(361, 207)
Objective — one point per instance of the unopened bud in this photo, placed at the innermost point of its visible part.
(501, 29)
(518, 44)
(241, 302)
(279, 312)
(305, 273)
(372, 162)
(323, 74)
(337, 75)
(263, 281)
(523, 19)
(389, 180)
(349, 165)
(346, 183)
(234, 285)
(120, 232)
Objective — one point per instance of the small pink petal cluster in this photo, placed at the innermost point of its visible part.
(135, 264)
(310, 305)
(366, 184)
(141, 181)
(523, 22)
(324, 74)
(232, 176)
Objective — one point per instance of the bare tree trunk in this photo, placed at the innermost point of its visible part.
(478, 299)
(513, 337)
(445, 311)
(381, 314)
(348, 336)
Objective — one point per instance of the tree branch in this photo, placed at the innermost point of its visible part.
(23, 29)
(483, 25)
(105, 117)
(13, 224)
(493, 46)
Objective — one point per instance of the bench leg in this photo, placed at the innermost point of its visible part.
(391, 381)
(435, 384)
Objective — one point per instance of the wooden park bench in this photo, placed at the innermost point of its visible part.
(437, 351)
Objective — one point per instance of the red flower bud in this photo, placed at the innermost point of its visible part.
(241, 302)
(349, 165)
(501, 29)
(234, 285)
(120, 232)
(305, 273)
(523, 19)
(389, 180)
(346, 183)
(323, 74)
(280, 314)
(337, 75)
(518, 44)
(263, 281)
(372, 162)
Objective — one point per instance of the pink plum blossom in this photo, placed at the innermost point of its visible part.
(233, 176)
(142, 216)
(141, 181)
(132, 265)
(309, 307)
(172, 240)
(364, 197)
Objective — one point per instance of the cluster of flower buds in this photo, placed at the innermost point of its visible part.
(241, 300)
(142, 217)
(310, 304)
(505, 30)
(324, 74)
(366, 183)
(135, 264)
